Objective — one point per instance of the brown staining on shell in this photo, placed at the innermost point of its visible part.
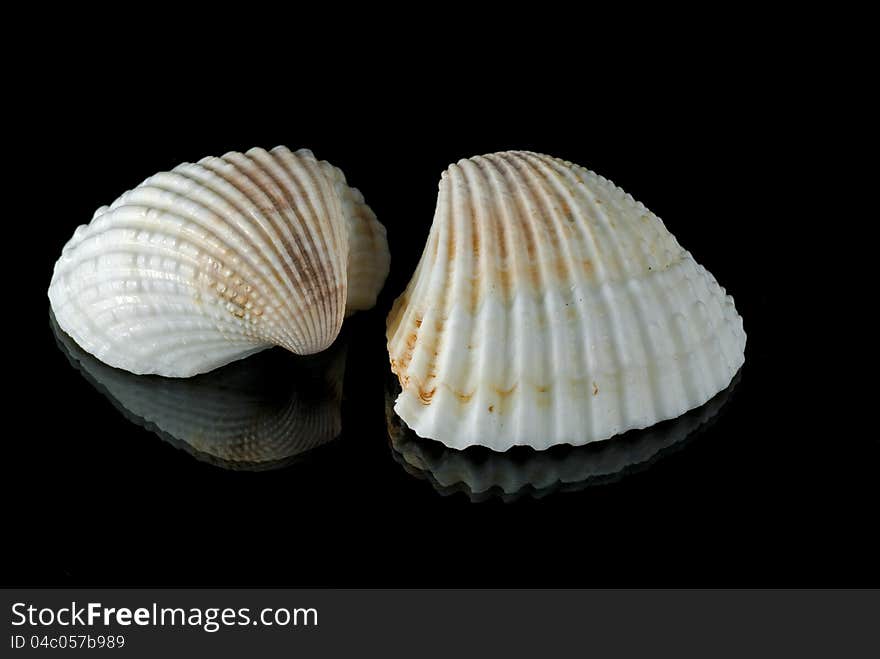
(475, 295)
(425, 396)
(309, 274)
(402, 363)
(530, 243)
(500, 236)
(229, 288)
(475, 237)
(450, 243)
(504, 393)
(543, 400)
(561, 269)
(534, 274)
(504, 279)
(595, 389)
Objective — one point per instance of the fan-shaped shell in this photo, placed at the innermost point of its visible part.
(255, 415)
(549, 307)
(216, 260)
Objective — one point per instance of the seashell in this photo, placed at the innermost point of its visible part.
(256, 415)
(549, 307)
(213, 261)
(483, 474)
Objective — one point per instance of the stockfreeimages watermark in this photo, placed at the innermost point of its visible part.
(209, 619)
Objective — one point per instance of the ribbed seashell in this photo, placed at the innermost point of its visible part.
(483, 474)
(549, 307)
(213, 261)
(255, 415)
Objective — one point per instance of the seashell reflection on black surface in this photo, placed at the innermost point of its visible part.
(484, 474)
(257, 414)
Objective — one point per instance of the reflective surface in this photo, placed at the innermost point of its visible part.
(257, 413)
(781, 488)
(483, 474)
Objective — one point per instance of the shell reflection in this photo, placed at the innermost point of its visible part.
(484, 474)
(257, 414)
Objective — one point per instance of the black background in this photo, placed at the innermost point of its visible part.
(774, 493)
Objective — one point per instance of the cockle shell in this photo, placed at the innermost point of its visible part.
(483, 474)
(256, 415)
(549, 307)
(213, 261)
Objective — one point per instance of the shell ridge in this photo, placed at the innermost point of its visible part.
(403, 316)
(722, 323)
(482, 327)
(728, 322)
(536, 263)
(306, 176)
(542, 187)
(544, 184)
(444, 333)
(276, 279)
(274, 213)
(228, 238)
(227, 329)
(704, 372)
(76, 295)
(178, 351)
(301, 225)
(339, 195)
(589, 325)
(288, 222)
(674, 328)
(368, 264)
(332, 191)
(325, 198)
(369, 259)
(128, 218)
(406, 317)
(615, 324)
(249, 191)
(527, 211)
(355, 215)
(224, 352)
(493, 394)
(326, 214)
(631, 291)
(703, 382)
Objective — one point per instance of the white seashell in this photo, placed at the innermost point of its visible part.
(510, 476)
(548, 308)
(213, 261)
(256, 415)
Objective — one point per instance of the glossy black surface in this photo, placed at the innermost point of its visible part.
(774, 491)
